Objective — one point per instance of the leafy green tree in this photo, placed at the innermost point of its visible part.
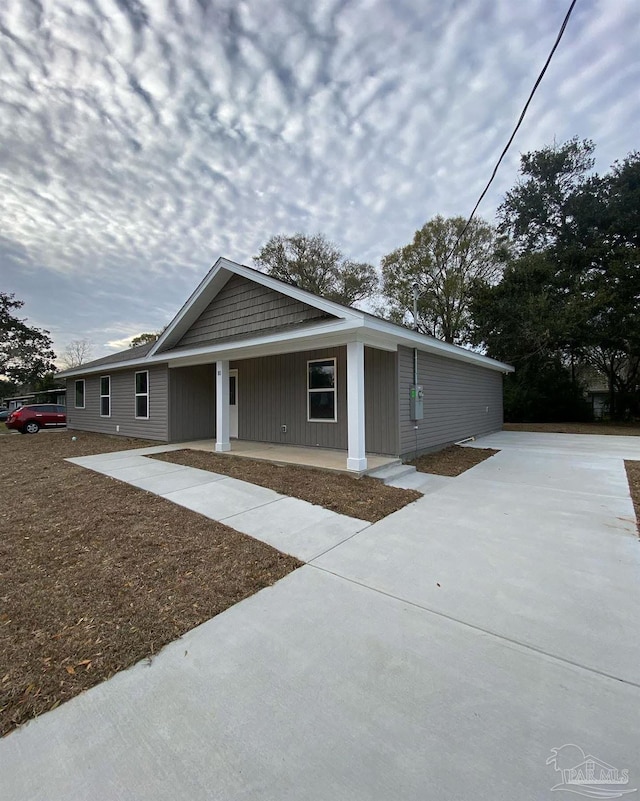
(26, 352)
(583, 227)
(315, 264)
(145, 338)
(443, 266)
(524, 320)
(537, 212)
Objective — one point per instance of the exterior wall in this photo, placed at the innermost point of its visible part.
(122, 405)
(192, 403)
(272, 392)
(460, 400)
(243, 307)
(381, 401)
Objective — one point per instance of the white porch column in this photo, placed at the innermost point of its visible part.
(356, 459)
(222, 406)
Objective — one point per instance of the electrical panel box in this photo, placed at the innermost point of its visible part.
(416, 399)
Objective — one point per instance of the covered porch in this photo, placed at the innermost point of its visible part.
(333, 406)
(319, 458)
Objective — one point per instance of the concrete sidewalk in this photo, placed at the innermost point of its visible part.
(440, 653)
(288, 524)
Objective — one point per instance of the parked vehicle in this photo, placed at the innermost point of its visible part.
(30, 419)
(4, 414)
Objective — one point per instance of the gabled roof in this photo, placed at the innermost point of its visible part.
(343, 323)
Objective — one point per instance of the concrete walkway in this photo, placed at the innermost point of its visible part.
(288, 524)
(440, 653)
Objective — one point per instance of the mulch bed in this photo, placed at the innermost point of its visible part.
(451, 461)
(633, 476)
(612, 429)
(365, 498)
(96, 575)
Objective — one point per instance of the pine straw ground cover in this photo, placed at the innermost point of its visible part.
(96, 575)
(633, 476)
(612, 429)
(452, 461)
(365, 498)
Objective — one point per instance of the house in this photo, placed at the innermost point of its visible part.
(250, 357)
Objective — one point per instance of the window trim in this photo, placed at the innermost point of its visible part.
(333, 389)
(108, 377)
(137, 395)
(84, 394)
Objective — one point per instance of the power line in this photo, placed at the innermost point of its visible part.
(518, 124)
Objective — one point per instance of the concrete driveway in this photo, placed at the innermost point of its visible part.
(440, 653)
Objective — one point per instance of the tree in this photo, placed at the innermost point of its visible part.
(26, 353)
(444, 274)
(77, 352)
(536, 213)
(583, 228)
(315, 264)
(145, 339)
(524, 320)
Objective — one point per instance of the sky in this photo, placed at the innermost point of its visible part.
(142, 139)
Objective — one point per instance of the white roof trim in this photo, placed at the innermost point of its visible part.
(346, 324)
(217, 277)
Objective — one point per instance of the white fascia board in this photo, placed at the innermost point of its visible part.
(327, 335)
(217, 277)
(322, 335)
(386, 331)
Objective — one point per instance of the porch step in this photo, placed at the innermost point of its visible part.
(392, 472)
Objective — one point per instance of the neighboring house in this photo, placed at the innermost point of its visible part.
(253, 358)
(56, 395)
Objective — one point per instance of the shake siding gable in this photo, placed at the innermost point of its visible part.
(123, 405)
(242, 308)
(460, 400)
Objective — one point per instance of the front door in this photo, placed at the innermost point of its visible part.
(233, 403)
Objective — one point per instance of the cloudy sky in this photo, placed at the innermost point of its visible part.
(142, 139)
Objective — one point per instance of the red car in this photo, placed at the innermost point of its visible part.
(30, 419)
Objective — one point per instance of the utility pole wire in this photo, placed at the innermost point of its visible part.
(515, 130)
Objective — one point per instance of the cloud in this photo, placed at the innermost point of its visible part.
(141, 140)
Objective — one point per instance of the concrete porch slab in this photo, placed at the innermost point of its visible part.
(320, 458)
(297, 527)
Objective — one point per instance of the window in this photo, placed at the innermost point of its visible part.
(321, 391)
(142, 394)
(105, 396)
(80, 394)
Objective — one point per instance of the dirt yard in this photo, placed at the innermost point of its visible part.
(364, 498)
(96, 575)
(452, 461)
(613, 429)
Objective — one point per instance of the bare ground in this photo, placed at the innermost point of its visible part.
(96, 575)
(613, 429)
(451, 461)
(365, 498)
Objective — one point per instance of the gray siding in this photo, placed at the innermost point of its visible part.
(460, 400)
(243, 307)
(381, 401)
(192, 403)
(122, 405)
(272, 392)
